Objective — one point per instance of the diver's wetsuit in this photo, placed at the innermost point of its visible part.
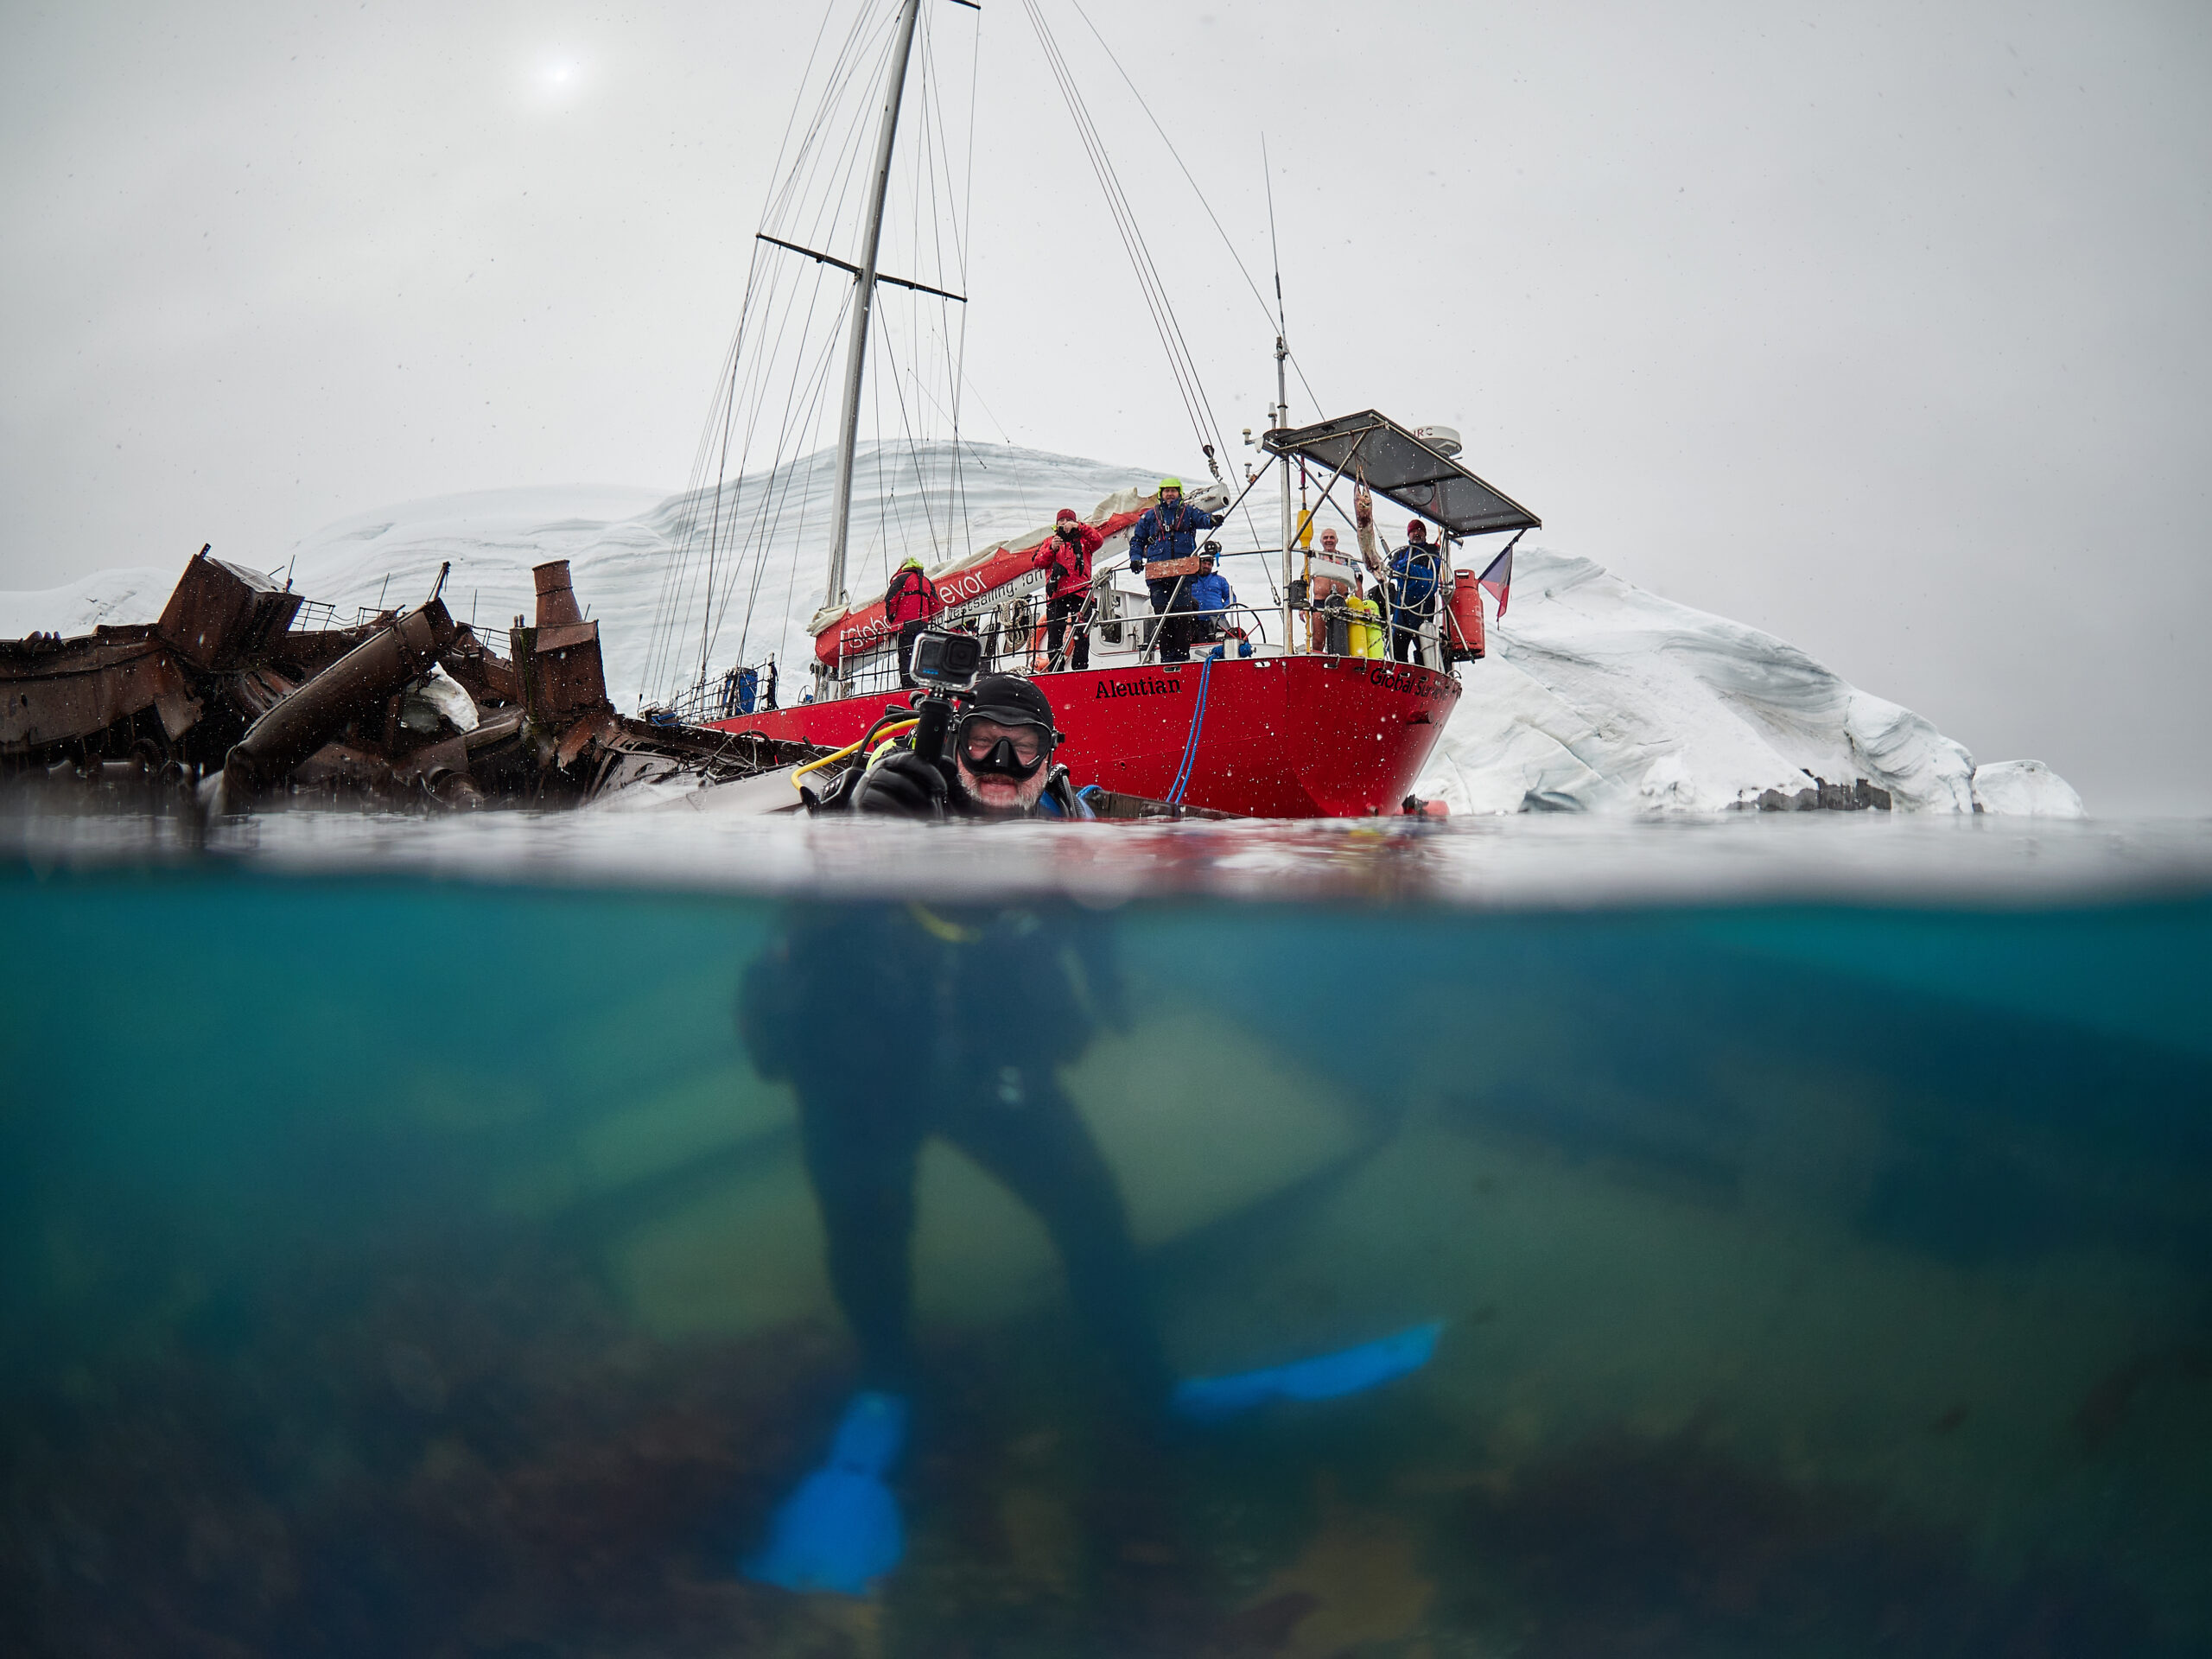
(894, 1022)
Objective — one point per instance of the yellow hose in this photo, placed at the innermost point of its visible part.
(887, 734)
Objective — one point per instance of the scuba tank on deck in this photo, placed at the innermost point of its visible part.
(1463, 633)
(1366, 639)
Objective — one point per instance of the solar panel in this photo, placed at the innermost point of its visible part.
(1397, 466)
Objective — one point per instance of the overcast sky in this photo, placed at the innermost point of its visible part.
(1885, 327)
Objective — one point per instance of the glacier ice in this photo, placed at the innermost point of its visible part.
(1599, 696)
(2023, 789)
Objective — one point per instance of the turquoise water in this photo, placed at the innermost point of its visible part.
(399, 1260)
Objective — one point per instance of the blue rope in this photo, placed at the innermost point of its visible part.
(1191, 748)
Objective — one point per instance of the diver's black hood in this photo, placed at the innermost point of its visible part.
(1011, 701)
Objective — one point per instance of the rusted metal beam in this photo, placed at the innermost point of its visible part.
(63, 691)
(298, 725)
(222, 615)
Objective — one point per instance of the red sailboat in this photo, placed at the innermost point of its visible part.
(1297, 707)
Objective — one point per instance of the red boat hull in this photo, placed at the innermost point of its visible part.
(1280, 737)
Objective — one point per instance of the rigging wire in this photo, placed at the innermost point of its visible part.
(1191, 179)
(1181, 365)
(762, 450)
(900, 352)
(960, 241)
(683, 587)
(763, 301)
(1148, 275)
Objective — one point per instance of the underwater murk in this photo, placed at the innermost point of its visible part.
(400, 1262)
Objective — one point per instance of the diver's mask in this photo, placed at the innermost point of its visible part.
(992, 746)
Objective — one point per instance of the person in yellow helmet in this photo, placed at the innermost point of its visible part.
(1168, 530)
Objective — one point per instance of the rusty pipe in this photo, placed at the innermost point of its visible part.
(556, 600)
(309, 716)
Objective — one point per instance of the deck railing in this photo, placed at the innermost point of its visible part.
(1123, 632)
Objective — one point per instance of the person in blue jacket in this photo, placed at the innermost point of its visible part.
(1167, 531)
(1211, 594)
(1413, 591)
(1199, 612)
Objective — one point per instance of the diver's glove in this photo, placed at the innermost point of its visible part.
(1325, 1377)
(840, 1531)
(903, 785)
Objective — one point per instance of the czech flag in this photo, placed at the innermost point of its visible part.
(1499, 577)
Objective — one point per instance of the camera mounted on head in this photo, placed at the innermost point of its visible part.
(945, 664)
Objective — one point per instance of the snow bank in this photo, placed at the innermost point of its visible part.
(113, 598)
(621, 543)
(2024, 789)
(1597, 696)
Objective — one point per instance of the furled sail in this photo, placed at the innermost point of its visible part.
(978, 581)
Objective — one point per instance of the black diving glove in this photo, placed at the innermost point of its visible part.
(904, 786)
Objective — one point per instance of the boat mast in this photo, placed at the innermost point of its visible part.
(864, 300)
(1282, 420)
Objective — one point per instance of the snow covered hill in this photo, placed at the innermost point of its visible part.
(1597, 696)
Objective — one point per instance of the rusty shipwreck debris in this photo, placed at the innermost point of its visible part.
(229, 704)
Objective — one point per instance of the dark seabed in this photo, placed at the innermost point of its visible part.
(400, 1255)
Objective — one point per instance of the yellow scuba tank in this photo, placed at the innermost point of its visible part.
(1366, 625)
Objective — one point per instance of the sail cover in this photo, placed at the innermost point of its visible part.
(977, 581)
(1394, 464)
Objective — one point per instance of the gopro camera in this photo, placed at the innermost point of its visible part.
(947, 662)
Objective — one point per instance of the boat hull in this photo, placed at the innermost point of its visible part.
(1278, 737)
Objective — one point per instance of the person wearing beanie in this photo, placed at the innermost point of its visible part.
(897, 1022)
(1066, 554)
(998, 764)
(1414, 579)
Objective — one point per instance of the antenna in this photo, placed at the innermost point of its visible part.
(1274, 246)
(1281, 417)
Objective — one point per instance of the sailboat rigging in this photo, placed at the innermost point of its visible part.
(1298, 710)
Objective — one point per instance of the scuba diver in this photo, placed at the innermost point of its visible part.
(1000, 765)
(991, 1002)
(986, 1003)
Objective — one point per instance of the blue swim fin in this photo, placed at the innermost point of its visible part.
(841, 1530)
(1325, 1377)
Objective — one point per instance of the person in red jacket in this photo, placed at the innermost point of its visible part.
(908, 604)
(1066, 554)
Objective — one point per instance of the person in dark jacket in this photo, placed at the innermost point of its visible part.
(1000, 765)
(908, 604)
(896, 1023)
(1414, 582)
(983, 1006)
(1167, 531)
(976, 1009)
(1066, 556)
